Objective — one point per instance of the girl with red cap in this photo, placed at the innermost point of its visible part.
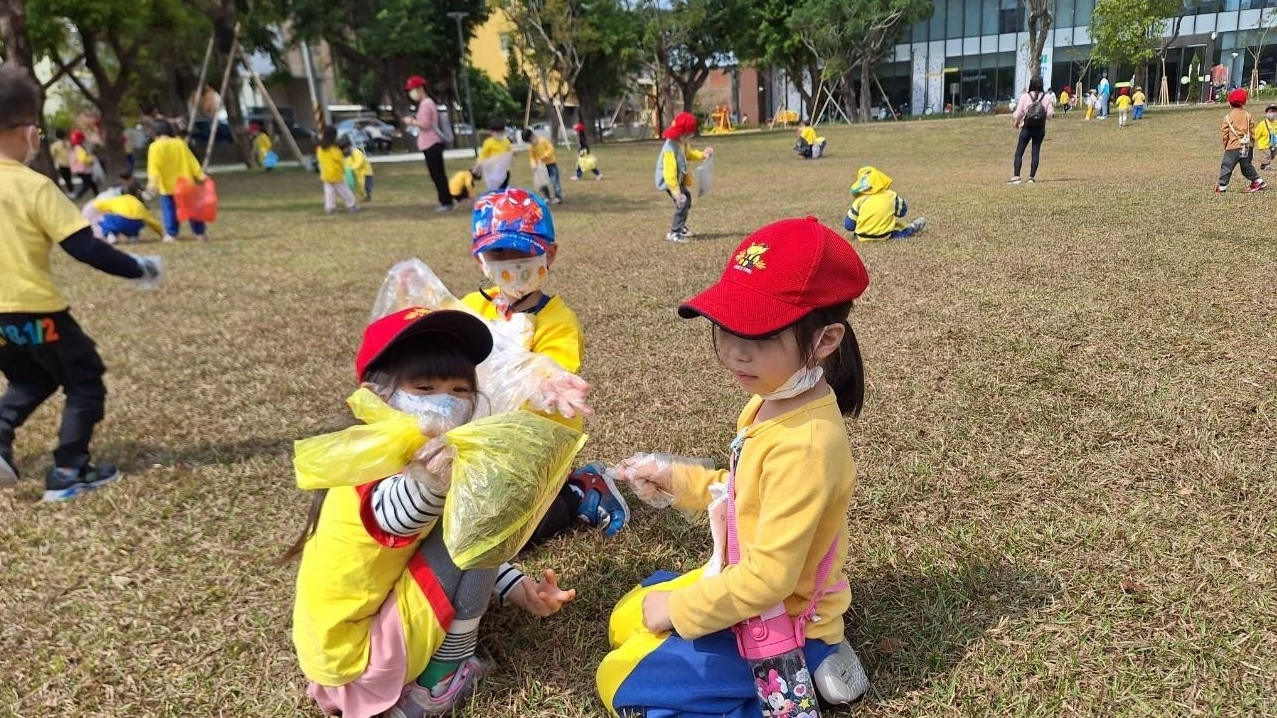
(1238, 135)
(82, 162)
(778, 514)
(674, 177)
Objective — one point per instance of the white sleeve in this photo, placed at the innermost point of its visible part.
(404, 507)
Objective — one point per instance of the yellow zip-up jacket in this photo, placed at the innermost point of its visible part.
(128, 207)
(542, 151)
(167, 159)
(494, 146)
(1139, 99)
(557, 335)
(1265, 134)
(794, 482)
(332, 164)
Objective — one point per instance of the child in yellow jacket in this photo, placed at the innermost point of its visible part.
(778, 514)
(877, 212)
(1266, 137)
(332, 172)
(541, 152)
(1123, 107)
(358, 167)
(674, 176)
(125, 215)
(495, 156)
(168, 159)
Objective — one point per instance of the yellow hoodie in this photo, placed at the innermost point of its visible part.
(128, 207)
(876, 210)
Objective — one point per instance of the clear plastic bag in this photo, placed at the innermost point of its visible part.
(540, 177)
(506, 473)
(511, 376)
(632, 471)
(145, 282)
(705, 177)
(495, 170)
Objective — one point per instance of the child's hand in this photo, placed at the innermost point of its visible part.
(680, 199)
(656, 612)
(543, 598)
(709, 151)
(563, 394)
(432, 466)
(648, 474)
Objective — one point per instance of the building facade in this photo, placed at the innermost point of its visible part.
(978, 49)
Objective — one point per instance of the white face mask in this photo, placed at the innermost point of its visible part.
(451, 410)
(800, 382)
(1271, 115)
(517, 278)
(33, 148)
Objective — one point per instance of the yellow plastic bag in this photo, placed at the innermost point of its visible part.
(380, 447)
(506, 473)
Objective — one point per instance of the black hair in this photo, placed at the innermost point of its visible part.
(527, 136)
(844, 369)
(496, 126)
(329, 137)
(164, 127)
(59, 134)
(412, 359)
(126, 176)
(1035, 84)
(19, 97)
(344, 142)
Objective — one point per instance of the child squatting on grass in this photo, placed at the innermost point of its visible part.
(384, 622)
(778, 515)
(42, 348)
(877, 212)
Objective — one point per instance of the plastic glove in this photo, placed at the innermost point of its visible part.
(680, 199)
(563, 394)
(152, 268)
(432, 466)
(650, 476)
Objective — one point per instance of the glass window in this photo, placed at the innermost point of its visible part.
(989, 11)
(953, 20)
(1011, 16)
(919, 31)
(1063, 13)
(1232, 5)
(935, 26)
(971, 11)
(1082, 13)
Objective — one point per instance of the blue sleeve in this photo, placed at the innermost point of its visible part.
(98, 254)
(848, 223)
(902, 208)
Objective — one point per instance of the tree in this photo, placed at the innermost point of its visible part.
(856, 34)
(492, 101)
(610, 62)
(13, 33)
(552, 36)
(1124, 31)
(1040, 20)
(691, 38)
(774, 43)
(1254, 43)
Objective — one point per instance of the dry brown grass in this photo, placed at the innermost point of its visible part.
(1068, 474)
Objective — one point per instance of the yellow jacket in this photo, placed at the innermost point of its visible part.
(1123, 102)
(61, 152)
(876, 211)
(358, 161)
(794, 482)
(461, 184)
(1265, 134)
(1139, 98)
(494, 146)
(542, 151)
(167, 159)
(808, 134)
(557, 335)
(332, 164)
(262, 145)
(128, 207)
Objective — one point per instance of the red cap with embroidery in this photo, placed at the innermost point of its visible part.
(778, 275)
(466, 332)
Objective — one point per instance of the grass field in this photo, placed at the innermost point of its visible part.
(1067, 500)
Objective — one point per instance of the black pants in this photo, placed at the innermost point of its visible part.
(438, 175)
(1027, 135)
(38, 354)
(86, 183)
(1232, 158)
(68, 180)
(560, 517)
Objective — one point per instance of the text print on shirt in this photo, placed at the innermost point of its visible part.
(34, 333)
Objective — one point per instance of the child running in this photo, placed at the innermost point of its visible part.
(384, 622)
(168, 159)
(586, 161)
(1238, 133)
(779, 315)
(332, 172)
(877, 212)
(673, 174)
(42, 348)
(514, 244)
(541, 152)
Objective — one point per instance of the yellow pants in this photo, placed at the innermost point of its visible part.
(1090, 112)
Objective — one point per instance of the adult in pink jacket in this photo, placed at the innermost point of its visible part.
(429, 141)
(1031, 114)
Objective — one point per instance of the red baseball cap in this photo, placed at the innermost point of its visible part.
(1238, 97)
(684, 124)
(467, 331)
(778, 275)
(414, 82)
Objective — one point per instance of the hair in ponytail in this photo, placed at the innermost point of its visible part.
(844, 369)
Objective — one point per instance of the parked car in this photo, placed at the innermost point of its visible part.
(369, 134)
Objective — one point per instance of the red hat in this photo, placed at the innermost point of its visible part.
(778, 275)
(77, 137)
(414, 82)
(1237, 97)
(1123, 90)
(467, 331)
(684, 124)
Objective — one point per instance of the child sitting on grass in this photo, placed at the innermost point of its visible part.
(877, 212)
(384, 622)
(42, 348)
(514, 244)
(780, 329)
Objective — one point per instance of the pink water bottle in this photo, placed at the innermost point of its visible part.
(772, 644)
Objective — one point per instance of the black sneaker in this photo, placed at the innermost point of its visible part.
(63, 484)
(8, 469)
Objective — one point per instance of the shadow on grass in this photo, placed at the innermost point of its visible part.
(137, 456)
(912, 628)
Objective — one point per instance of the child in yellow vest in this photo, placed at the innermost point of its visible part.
(332, 172)
(877, 212)
(384, 622)
(1266, 138)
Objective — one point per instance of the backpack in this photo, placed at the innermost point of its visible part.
(1035, 115)
(444, 126)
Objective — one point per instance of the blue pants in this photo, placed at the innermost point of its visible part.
(368, 187)
(168, 216)
(1104, 105)
(1139, 112)
(553, 171)
(115, 224)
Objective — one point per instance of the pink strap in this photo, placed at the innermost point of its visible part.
(733, 541)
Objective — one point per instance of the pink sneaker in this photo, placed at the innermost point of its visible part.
(1258, 185)
(451, 692)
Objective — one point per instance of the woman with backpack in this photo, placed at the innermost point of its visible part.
(1030, 116)
(431, 137)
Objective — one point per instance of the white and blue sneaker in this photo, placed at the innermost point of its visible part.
(64, 484)
(601, 502)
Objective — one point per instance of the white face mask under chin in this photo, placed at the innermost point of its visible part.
(801, 382)
(452, 411)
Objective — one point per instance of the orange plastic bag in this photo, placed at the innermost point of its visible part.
(196, 200)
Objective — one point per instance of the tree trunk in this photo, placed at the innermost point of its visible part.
(866, 72)
(235, 118)
(109, 100)
(13, 33)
